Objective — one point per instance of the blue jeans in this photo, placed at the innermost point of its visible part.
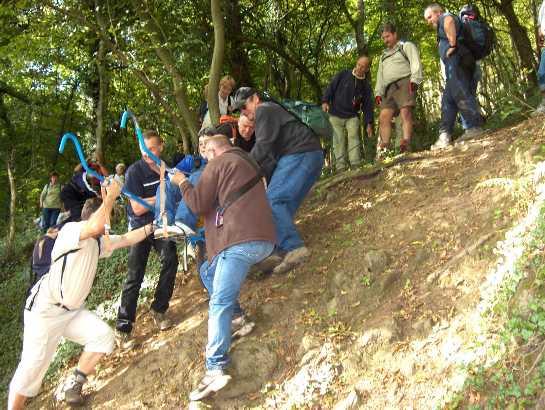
(175, 208)
(223, 279)
(541, 72)
(49, 217)
(459, 96)
(292, 179)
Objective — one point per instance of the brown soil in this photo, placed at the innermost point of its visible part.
(437, 221)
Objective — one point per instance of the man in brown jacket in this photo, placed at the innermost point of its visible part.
(239, 233)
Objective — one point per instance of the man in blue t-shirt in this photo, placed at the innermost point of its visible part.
(459, 94)
(349, 93)
(142, 179)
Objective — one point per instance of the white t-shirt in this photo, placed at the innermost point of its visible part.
(224, 107)
(71, 286)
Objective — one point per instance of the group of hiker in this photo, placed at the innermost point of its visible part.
(246, 183)
(399, 75)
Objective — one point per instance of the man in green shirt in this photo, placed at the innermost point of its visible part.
(50, 201)
(399, 73)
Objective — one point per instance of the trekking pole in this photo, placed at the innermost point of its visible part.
(70, 136)
(159, 162)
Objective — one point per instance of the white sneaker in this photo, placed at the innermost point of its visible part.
(540, 109)
(442, 142)
(213, 381)
(241, 327)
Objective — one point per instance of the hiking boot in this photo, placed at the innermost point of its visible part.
(268, 264)
(540, 109)
(213, 381)
(161, 320)
(293, 259)
(124, 340)
(470, 133)
(241, 327)
(442, 142)
(72, 388)
(382, 151)
(404, 145)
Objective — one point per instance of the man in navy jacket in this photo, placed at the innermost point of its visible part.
(349, 93)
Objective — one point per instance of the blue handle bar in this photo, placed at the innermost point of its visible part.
(123, 124)
(70, 136)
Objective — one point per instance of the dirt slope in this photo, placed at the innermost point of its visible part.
(374, 318)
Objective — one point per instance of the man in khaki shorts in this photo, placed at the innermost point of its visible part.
(55, 307)
(399, 73)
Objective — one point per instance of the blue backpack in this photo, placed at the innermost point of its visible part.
(477, 35)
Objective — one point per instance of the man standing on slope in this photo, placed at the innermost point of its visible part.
(55, 306)
(291, 158)
(349, 93)
(459, 77)
(142, 179)
(399, 73)
(239, 233)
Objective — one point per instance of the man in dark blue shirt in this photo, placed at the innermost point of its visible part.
(459, 94)
(349, 93)
(142, 179)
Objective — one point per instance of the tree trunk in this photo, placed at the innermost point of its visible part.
(238, 54)
(12, 202)
(103, 82)
(520, 39)
(358, 24)
(217, 62)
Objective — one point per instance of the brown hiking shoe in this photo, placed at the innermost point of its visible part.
(293, 258)
(161, 320)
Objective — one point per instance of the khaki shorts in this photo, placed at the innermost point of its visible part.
(398, 95)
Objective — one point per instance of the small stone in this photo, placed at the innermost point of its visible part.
(308, 343)
(351, 401)
(388, 280)
(375, 261)
(423, 326)
(331, 196)
(406, 367)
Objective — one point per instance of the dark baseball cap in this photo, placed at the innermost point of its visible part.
(241, 95)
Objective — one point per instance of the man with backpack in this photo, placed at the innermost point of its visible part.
(291, 157)
(459, 63)
(55, 305)
(348, 94)
(398, 76)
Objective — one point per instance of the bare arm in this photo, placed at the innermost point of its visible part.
(94, 227)
(450, 30)
(140, 209)
(130, 238)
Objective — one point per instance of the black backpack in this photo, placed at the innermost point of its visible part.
(477, 35)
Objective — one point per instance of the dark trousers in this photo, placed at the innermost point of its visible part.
(459, 95)
(138, 259)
